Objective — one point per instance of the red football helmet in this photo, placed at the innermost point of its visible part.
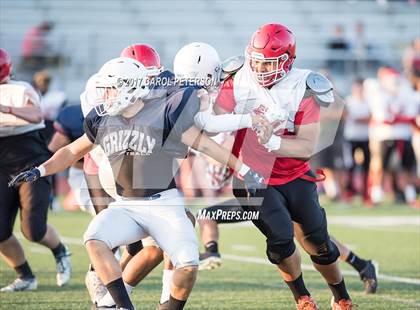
(146, 55)
(271, 53)
(5, 65)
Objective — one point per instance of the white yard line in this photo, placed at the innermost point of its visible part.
(361, 221)
(414, 303)
(264, 261)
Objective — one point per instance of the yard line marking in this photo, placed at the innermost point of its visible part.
(264, 261)
(360, 221)
(243, 247)
(414, 303)
(39, 250)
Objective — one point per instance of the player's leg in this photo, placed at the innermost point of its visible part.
(408, 163)
(141, 262)
(100, 240)
(10, 249)
(173, 231)
(34, 204)
(367, 269)
(209, 231)
(100, 200)
(276, 224)
(306, 211)
(364, 145)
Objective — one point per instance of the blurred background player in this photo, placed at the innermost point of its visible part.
(68, 128)
(356, 135)
(394, 108)
(21, 147)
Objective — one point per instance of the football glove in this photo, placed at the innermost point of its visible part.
(26, 176)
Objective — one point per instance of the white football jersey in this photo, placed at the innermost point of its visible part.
(17, 94)
(278, 104)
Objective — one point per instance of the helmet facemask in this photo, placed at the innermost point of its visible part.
(268, 71)
(112, 100)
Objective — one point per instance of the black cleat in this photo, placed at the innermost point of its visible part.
(209, 260)
(369, 277)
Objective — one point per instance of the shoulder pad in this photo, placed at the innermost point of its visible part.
(321, 88)
(231, 65)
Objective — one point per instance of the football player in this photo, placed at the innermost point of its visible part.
(141, 135)
(291, 99)
(99, 177)
(201, 60)
(22, 146)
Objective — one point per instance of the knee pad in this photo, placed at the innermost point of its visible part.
(134, 248)
(33, 232)
(328, 254)
(277, 253)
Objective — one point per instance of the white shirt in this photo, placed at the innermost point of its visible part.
(17, 94)
(354, 130)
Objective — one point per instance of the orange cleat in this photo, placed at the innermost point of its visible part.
(343, 304)
(306, 303)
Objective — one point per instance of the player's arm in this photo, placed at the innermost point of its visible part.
(211, 123)
(67, 155)
(196, 139)
(58, 141)
(30, 112)
(60, 161)
(302, 145)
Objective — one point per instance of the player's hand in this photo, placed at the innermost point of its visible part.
(26, 176)
(262, 127)
(205, 99)
(253, 181)
(4, 109)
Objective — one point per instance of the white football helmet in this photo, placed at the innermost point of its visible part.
(198, 63)
(88, 97)
(119, 83)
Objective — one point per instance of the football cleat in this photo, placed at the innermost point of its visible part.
(96, 289)
(209, 261)
(306, 303)
(63, 268)
(369, 276)
(343, 304)
(19, 284)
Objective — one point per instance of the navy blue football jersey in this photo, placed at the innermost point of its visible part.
(69, 122)
(142, 149)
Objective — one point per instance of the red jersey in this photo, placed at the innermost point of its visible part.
(276, 170)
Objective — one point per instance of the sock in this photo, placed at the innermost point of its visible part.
(339, 291)
(108, 301)
(24, 271)
(356, 262)
(119, 293)
(59, 250)
(175, 304)
(298, 287)
(129, 288)
(211, 247)
(166, 285)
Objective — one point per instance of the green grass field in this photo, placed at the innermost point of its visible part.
(250, 284)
